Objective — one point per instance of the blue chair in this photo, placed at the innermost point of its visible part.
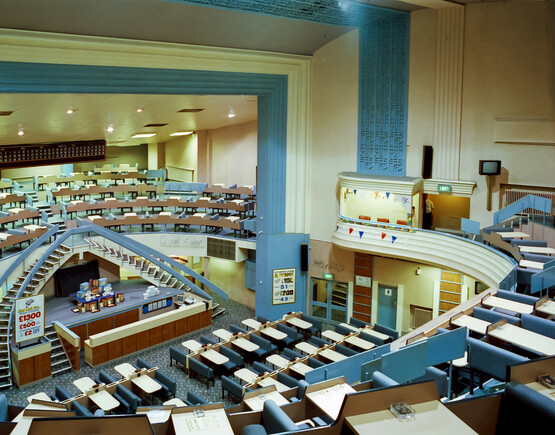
(517, 297)
(316, 328)
(386, 330)
(260, 368)
(373, 339)
(285, 379)
(133, 401)
(207, 340)
(105, 378)
(492, 316)
(81, 410)
(344, 350)
(343, 330)
(202, 371)
(290, 354)
(316, 341)
(315, 363)
(440, 378)
(379, 380)
(235, 360)
(169, 385)
(233, 388)
(61, 394)
(194, 399)
(4, 415)
(275, 420)
(293, 337)
(262, 319)
(358, 323)
(234, 328)
(266, 346)
(538, 324)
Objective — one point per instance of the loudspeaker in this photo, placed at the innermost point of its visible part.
(427, 161)
(304, 257)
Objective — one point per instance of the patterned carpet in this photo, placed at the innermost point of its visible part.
(157, 356)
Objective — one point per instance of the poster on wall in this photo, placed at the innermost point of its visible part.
(29, 318)
(283, 284)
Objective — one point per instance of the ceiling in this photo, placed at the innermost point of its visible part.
(44, 117)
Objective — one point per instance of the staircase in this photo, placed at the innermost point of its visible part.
(217, 310)
(144, 268)
(58, 359)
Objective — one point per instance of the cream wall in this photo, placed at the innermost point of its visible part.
(228, 155)
(181, 158)
(230, 277)
(334, 129)
(16, 173)
(116, 155)
(508, 73)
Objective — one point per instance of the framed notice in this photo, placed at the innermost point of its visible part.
(29, 318)
(283, 286)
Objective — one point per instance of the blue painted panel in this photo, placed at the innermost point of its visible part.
(278, 251)
(470, 226)
(406, 364)
(353, 368)
(387, 306)
(250, 274)
(446, 347)
(369, 368)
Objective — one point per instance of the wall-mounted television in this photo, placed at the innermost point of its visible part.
(490, 167)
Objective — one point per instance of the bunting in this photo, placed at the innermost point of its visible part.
(393, 238)
(350, 230)
(383, 235)
(361, 233)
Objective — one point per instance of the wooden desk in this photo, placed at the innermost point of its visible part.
(531, 264)
(513, 234)
(472, 323)
(546, 250)
(547, 307)
(351, 327)
(104, 400)
(299, 323)
(371, 331)
(360, 343)
(300, 368)
(278, 361)
(213, 422)
(507, 304)
(273, 333)
(245, 344)
(251, 323)
(39, 396)
(223, 334)
(332, 335)
(332, 355)
(542, 389)
(307, 348)
(523, 338)
(266, 382)
(125, 369)
(256, 403)
(192, 345)
(214, 357)
(330, 399)
(84, 384)
(146, 383)
(246, 375)
(431, 418)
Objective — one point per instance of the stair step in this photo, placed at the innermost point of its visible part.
(218, 312)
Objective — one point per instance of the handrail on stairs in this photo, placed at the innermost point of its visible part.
(529, 201)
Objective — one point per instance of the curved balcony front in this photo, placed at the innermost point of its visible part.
(443, 250)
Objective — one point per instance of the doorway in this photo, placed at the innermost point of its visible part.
(329, 300)
(387, 306)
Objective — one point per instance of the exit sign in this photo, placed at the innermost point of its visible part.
(444, 188)
(328, 276)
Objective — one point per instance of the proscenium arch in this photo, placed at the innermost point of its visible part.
(271, 89)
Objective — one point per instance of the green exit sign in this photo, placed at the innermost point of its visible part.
(328, 276)
(444, 188)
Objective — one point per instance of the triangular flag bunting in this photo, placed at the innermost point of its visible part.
(355, 191)
(336, 227)
(393, 238)
(350, 230)
(361, 233)
(383, 235)
(387, 195)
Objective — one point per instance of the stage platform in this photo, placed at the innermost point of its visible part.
(60, 308)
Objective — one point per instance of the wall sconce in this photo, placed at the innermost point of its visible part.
(418, 271)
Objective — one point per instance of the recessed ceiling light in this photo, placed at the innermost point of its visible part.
(139, 109)
(110, 128)
(70, 110)
(20, 132)
(139, 135)
(231, 114)
(181, 133)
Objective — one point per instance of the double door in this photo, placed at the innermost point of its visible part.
(329, 300)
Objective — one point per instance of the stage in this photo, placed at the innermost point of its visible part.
(59, 309)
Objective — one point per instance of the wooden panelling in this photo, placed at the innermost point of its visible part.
(42, 366)
(181, 327)
(100, 354)
(449, 286)
(168, 331)
(364, 262)
(101, 325)
(126, 318)
(81, 331)
(143, 340)
(26, 368)
(446, 306)
(450, 276)
(362, 271)
(156, 335)
(205, 318)
(115, 349)
(362, 299)
(362, 290)
(362, 255)
(362, 308)
(193, 322)
(361, 316)
(129, 344)
(450, 297)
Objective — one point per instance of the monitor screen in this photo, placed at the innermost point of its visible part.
(490, 167)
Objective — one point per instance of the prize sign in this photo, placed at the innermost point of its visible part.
(29, 318)
(283, 285)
